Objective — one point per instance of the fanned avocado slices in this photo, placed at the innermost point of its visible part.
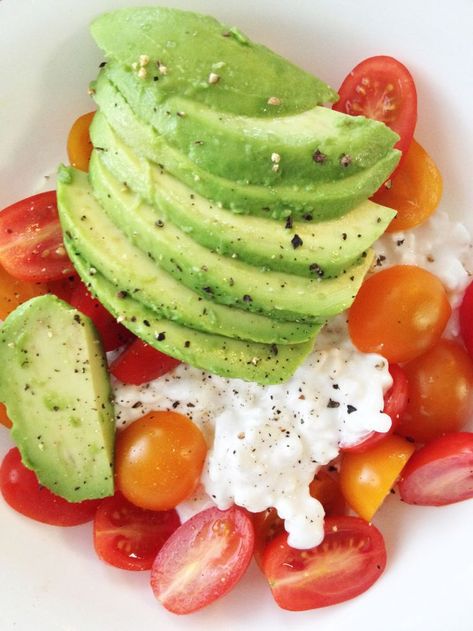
(262, 363)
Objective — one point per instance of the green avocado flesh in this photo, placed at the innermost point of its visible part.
(262, 363)
(139, 273)
(191, 46)
(55, 384)
(330, 246)
(323, 200)
(225, 215)
(240, 148)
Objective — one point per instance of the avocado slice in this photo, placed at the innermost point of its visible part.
(228, 281)
(190, 46)
(55, 383)
(107, 249)
(322, 200)
(240, 148)
(330, 246)
(262, 363)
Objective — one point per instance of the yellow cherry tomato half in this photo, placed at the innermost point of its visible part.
(414, 191)
(79, 145)
(159, 459)
(367, 478)
(14, 292)
(400, 313)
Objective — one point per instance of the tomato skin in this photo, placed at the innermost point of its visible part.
(112, 333)
(399, 312)
(203, 560)
(79, 145)
(268, 525)
(159, 459)
(441, 472)
(466, 319)
(31, 246)
(440, 392)
(350, 559)
(22, 491)
(129, 537)
(65, 287)
(382, 88)
(414, 191)
(395, 402)
(140, 363)
(367, 478)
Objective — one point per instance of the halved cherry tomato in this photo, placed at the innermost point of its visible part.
(159, 459)
(4, 420)
(366, 478)
(23, 492)
(64, 288)
(203, 559)
(414, 191)
(112, 333)
(79, 145)
(350, 559)
(31, 246)
(400, 313)
(268, 525)
(14, 292)
(140, 363)
(441, 472)
(466, 319)
(129, 537)
(395, 402)
(382, 88)
(440, 392)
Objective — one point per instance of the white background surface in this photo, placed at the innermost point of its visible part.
(49, 578)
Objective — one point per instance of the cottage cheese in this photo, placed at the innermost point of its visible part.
(267, 442)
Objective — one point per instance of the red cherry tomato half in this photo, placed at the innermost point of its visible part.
(203, 559)
(350, 559)
(140, 363)
(395, 402)
(466, 319)
(441, 472)
(325, 487)
(65, 287)
(23, 492)
(382, 88)
(31, 246)
(129, 537)
(112, 333)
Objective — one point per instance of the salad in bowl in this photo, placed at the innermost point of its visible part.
(239, 322)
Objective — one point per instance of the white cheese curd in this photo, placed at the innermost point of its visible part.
(440, 245)
(267, 442)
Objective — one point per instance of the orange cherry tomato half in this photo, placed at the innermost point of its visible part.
(349, 560)
(14, 292)
(367, 478)
(414, 191)
(399, 312)
(79, 145)
(440, 392)
(159, 459)
(4, 420)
